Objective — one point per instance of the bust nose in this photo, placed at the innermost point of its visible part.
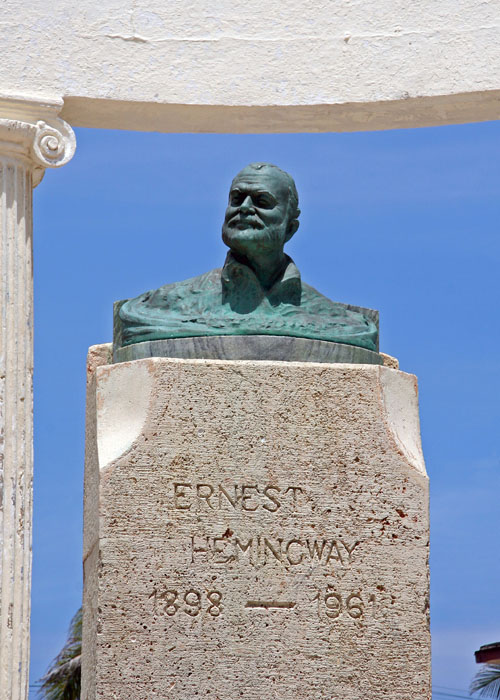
(247, 205)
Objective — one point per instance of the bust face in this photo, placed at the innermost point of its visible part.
(257, 218)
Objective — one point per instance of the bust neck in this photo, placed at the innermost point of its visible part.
(267, 267)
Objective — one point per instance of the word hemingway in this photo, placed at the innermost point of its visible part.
(244, 497)
(260, 550)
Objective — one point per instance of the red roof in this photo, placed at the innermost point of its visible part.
(488, 653)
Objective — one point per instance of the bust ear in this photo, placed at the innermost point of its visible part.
(292, 227)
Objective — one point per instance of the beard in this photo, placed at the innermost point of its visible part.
(250, 236)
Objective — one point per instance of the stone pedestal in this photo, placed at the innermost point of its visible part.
(254, 530)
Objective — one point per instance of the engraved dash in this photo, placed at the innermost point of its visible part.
(270, 604)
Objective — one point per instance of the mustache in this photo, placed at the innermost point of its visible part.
(240, 218)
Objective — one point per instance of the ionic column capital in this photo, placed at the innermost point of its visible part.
(32, 131)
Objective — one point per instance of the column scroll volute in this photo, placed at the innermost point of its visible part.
(36, 135)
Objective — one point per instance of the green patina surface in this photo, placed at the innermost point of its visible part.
(259, 290)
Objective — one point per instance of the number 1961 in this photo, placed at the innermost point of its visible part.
(356, 605)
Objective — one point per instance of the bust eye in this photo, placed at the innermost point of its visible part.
(263, 201)
(236, 199)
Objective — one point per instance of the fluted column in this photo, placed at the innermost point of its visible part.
(29, 144)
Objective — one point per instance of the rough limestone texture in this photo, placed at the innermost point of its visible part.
(254, 530)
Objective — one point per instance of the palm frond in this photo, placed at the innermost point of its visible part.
(63, 679)
(487, 681)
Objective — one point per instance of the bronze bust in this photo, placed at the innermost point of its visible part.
(259, 290)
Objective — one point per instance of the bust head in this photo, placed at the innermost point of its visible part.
(262, 213)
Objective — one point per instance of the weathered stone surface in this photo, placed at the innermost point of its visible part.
(254, 530)
(389, 361)
(32, 138)
(16, 421)
(249, 347)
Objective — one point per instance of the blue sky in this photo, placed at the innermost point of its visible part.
(402, 221)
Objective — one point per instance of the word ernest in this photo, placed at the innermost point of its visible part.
(245, 497)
